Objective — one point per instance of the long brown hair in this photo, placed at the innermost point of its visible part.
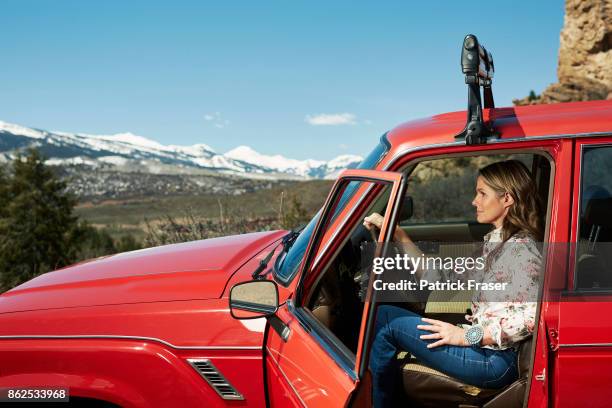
(513, 177)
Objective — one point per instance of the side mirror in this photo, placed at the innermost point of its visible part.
(253, 299)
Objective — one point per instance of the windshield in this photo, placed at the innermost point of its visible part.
(286, 266)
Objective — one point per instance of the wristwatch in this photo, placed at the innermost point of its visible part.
(473, 336)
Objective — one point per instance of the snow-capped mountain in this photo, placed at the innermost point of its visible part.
(304, 168)
(129, 152)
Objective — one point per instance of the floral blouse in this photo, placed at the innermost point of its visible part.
(509, 316)
(510, 319)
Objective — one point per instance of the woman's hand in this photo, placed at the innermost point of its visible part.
(375, 220)
(445, 333)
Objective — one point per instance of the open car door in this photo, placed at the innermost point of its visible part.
(306, 363)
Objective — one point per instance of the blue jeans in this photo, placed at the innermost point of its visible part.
(396, 331)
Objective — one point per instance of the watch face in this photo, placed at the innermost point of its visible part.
(474, 335)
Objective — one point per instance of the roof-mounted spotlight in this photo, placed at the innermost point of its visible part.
(478, 68)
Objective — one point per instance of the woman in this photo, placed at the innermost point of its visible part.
(482, 353)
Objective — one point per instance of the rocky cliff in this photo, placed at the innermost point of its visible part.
(585, 55)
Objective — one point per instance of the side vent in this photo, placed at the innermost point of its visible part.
(216, 380)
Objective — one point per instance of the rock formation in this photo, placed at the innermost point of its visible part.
(585, 55)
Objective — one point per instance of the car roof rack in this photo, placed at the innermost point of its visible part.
(477, 65)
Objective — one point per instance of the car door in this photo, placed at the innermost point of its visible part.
(306, 363)
(584, 338)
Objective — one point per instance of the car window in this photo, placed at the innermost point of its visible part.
(442, 189)
(336, 299)
(594, 253)
(286, 265)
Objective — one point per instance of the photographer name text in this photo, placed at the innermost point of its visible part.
(423, 284)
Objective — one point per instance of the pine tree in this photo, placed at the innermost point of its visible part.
(38, 230)
(295, 215)
(532, 96)
(4, 200)
(3, 192)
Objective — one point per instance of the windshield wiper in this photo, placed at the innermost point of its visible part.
(287, 241)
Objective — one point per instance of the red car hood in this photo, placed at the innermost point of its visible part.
(193, 270)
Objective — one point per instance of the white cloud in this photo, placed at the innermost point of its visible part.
(331, 119)
(216, 120)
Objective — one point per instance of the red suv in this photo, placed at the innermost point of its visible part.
(155, 327)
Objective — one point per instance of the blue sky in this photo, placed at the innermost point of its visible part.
(261, 73)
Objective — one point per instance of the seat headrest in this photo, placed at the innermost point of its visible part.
(594, 192)
(598, 212)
